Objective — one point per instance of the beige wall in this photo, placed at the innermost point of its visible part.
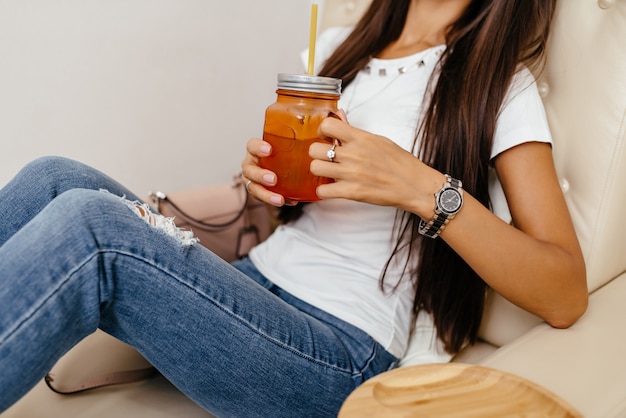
(161, 94)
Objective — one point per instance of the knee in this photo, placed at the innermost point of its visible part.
(81, 203)
(53, 176)
(49, 170)
(86, 209)
(48, 165)
(100, 210)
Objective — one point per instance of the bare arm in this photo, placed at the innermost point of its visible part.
(536, 264)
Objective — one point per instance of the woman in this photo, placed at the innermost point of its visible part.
(433, 88)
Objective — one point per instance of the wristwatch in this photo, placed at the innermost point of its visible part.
(449, 201)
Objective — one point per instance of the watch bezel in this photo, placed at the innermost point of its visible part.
(441, 206)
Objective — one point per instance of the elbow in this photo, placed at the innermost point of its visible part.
(569, 315)
(569, 318)
(573, 301)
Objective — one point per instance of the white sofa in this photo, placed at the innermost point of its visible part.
(584, 90)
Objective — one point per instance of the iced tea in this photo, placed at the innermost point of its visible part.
(291, 125)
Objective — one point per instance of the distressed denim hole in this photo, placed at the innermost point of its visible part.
(158, 221)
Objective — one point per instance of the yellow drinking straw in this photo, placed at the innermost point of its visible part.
(312, 35)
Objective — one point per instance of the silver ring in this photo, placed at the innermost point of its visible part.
(248, 185)
(331, 152)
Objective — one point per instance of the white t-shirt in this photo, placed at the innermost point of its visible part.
(333, 255)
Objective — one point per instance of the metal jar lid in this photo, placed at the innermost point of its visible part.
(309, 83)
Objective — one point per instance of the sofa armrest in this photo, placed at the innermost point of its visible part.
(585, 364)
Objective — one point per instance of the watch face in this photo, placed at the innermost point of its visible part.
(450, 201)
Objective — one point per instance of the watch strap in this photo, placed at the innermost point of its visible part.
(433, 228)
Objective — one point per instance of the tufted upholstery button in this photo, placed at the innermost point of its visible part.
(544, 89)
(564, 185)
(605, 4)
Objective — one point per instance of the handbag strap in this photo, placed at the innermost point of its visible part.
(158, 197)
(109, 379)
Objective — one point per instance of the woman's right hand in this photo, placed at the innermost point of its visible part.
(257, 178)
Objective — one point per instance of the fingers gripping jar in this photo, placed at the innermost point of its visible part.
(291, 125)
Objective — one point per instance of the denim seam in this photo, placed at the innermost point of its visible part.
(27, 316)
(367, 364)
(232, 314)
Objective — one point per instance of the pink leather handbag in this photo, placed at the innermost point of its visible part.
(224, 217)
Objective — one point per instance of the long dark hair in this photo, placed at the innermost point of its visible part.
(484, 49)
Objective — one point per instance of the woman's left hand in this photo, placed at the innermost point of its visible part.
(373, 169)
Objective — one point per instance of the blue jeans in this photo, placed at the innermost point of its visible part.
(74, 259)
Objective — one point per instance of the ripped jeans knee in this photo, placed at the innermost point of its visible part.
(162, 223)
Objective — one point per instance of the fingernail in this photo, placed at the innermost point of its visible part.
(265, 149)
(269, 178)
(276, 200)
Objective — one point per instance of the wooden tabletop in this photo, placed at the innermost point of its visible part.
(453, 390)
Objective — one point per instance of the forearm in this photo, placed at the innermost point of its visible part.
(544, 278)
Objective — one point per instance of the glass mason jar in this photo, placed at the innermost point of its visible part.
(291, 124)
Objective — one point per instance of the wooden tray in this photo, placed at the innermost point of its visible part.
(453, 390)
